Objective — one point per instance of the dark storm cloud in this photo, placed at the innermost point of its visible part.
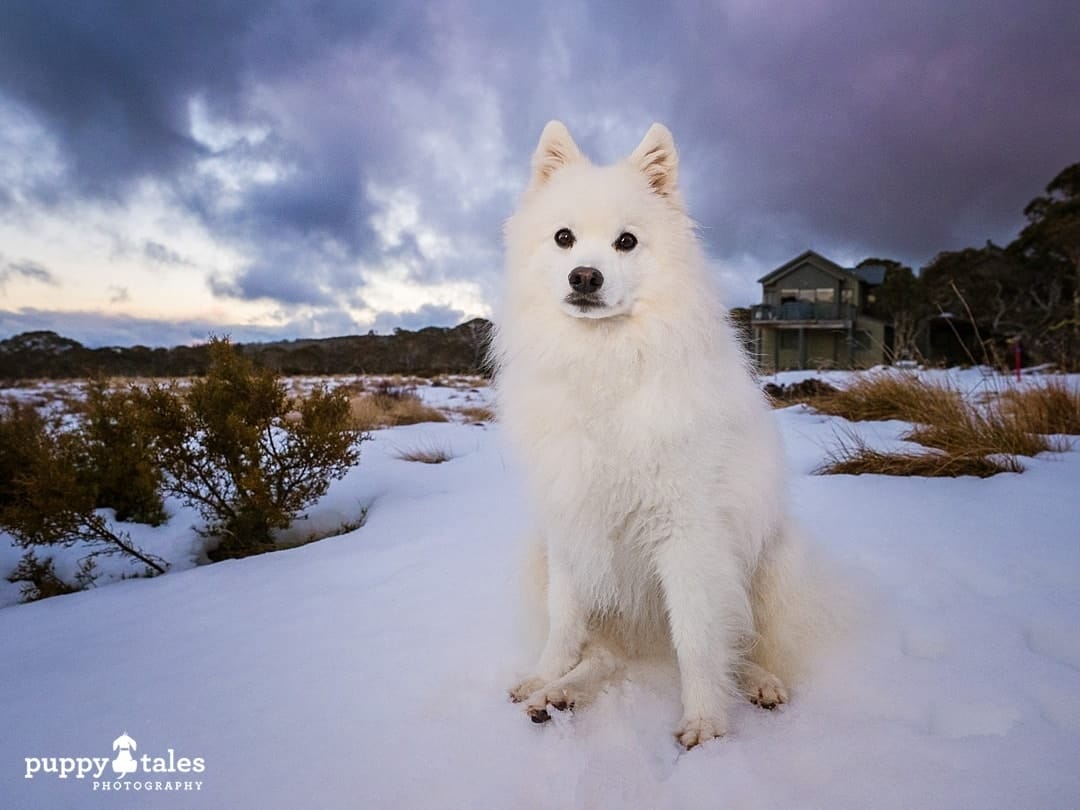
(113, 79)
(865, 128)
(853, 128)
(899, 130)
(290, 285)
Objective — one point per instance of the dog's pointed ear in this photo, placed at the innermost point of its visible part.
(555, 150)
(656, 158)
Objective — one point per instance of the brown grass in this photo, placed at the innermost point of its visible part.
(389, 407)
(428, 454)
(853, 457)
(1051, 408)
(476, 414)
(878, 397)
(965, 438)
(984, 431)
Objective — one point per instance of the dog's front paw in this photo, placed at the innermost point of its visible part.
(769, 695)
(537, 696)
(524, 689)
(696, 730)
(761, 687)
(558, 695)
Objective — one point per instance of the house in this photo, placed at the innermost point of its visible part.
(814, 315)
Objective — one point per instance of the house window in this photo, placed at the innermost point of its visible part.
(789, 339)
(846, 296)
(822, 295)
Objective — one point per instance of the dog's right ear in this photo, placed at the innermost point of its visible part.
(555, 150)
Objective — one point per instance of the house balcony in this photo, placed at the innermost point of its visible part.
(804, 314)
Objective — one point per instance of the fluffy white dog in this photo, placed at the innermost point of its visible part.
(653, 461)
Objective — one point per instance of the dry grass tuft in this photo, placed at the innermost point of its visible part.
(476, 414)
(1051, 408)
(878, 397)
(853, 457)
(967, 438)
(427, 454)
(388, 406)
(984, 431)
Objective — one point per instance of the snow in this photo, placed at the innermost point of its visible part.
(370, 669)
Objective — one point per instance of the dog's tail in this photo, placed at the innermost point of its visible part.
(803, 606)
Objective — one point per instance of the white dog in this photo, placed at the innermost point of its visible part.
(653, 461)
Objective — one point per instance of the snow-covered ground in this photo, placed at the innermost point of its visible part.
(369, 670)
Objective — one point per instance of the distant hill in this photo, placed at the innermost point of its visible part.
(426, 352)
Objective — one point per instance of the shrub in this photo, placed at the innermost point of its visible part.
(40, 580)
(46, 497)
(120, 455)
(243, 453)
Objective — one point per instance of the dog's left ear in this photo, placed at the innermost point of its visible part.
(656, 158)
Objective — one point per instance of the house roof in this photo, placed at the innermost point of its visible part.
(870, 274)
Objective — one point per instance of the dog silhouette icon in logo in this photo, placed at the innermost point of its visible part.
(124, 763)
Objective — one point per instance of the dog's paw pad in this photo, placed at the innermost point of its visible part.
(539, 715)
(696, 730)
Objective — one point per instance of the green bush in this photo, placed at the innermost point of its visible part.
(120, 456)
(46, 497)
(238, 449)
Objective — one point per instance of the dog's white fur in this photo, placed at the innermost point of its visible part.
(653, 461)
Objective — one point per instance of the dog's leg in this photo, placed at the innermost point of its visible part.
(567, 628)
(598, 666)
(709, 613)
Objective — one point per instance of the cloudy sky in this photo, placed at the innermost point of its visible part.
(290, 169)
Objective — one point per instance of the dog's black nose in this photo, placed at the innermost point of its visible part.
(586, 279)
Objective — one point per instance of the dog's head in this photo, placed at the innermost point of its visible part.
(595, 239)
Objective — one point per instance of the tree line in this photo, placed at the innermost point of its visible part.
(426, 352)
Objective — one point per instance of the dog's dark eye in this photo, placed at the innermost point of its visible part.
(626, 242)
(564, 238)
